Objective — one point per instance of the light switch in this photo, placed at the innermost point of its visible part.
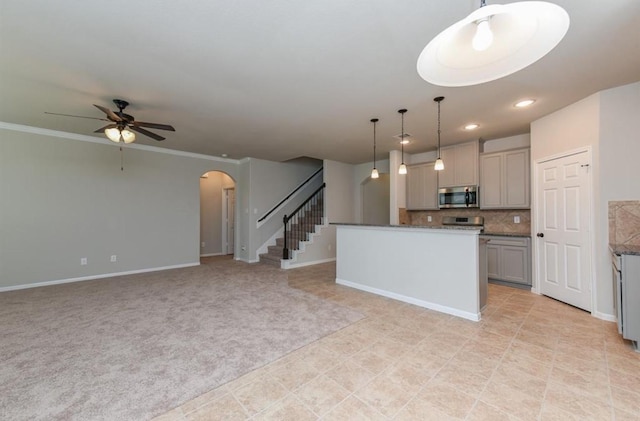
(516, 219)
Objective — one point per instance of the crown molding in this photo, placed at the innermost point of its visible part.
(100, 140)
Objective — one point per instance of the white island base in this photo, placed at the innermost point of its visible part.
(436, 268)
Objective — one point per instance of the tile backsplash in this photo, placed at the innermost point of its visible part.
(495, 221)
(624, 223)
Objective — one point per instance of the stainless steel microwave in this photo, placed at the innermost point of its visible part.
(458, 197)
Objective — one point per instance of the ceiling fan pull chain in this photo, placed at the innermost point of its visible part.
(121, 159)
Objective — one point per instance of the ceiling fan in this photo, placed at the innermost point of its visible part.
(121, 125)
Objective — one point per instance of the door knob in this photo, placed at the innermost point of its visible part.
(540, 234)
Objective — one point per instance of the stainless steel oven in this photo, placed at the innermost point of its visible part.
(458, 197)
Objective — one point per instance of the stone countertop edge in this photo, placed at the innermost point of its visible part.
(506, 234)
(437, 227)
(621, 249)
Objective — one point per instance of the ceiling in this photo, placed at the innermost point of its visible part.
(284, 79)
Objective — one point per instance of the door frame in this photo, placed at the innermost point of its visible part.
(225, 221)
(535, 287)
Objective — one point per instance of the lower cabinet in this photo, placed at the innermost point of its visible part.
(509, 259)
(626, 290)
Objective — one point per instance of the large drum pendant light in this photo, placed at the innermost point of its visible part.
(493, 42)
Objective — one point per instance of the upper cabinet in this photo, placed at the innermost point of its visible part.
(422, 187)
(460, 165)
(505, 180)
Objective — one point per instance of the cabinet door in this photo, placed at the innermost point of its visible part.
(431, 186)
(516, 180)
(422, 187)
(466, 164)
(415, 187)
(514, 264)
(493, 261)
(446, 177)
(491, 177)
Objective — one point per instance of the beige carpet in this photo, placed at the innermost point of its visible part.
(133, 347)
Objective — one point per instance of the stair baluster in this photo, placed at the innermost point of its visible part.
(305, 217)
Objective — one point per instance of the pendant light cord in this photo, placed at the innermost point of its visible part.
(374, 120)
(402, 111)
(402, 138)
(438, 129)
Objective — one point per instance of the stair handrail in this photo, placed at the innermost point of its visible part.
(315, 195)
(266, 215)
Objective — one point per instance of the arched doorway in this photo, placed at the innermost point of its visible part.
(217, 214)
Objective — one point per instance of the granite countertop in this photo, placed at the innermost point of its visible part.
(437, 227)
(625, 249)
(506, 234)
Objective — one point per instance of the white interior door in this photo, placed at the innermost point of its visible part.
(230, 216)
(563, 215)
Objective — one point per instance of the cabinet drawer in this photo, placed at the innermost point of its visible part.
(508, 241)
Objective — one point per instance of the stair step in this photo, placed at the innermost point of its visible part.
(275, 250)
(270, 259)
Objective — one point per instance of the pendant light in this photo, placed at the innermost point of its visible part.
(493, 42)
(403, 168)
(439, 165)
(374, 171)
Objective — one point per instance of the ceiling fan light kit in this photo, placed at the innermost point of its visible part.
(493, 42)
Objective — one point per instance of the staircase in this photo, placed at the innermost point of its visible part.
(299, 228)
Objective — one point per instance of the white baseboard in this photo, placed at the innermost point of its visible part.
(604, 316)
(287, 265)
(240, 259)
(213, 254)
(93, 277)
(475, 317)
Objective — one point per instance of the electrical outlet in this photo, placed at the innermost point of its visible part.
(114, 258)
(516, 219)
(203, 244)
(429, 218)
(83, 261)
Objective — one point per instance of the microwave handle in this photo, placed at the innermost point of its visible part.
(466, 197)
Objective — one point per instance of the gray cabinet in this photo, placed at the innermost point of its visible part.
(422, 186)
(509, 259)
(626, 290)
(460, 165)
(505, 180)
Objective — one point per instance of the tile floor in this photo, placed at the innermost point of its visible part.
(530, 358)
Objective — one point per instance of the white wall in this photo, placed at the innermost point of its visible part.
(64, 199)
(619, 175)
(361, 173)
(270, 182)
(506, 143)
(606, 122)
(340, 192)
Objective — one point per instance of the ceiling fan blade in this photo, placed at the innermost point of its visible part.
(154, 125)
(108, 126)
(146, 133)
(79, 116)
(112, 116)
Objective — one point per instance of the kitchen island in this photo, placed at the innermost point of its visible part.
(441, 268)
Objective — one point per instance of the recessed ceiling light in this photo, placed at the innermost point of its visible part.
(471, 126)
(224, 155)
(524, 103)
